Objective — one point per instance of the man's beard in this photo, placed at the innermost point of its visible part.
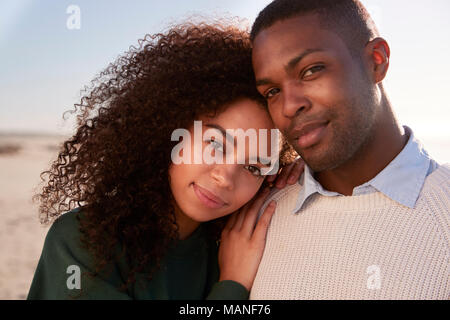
(348, 136)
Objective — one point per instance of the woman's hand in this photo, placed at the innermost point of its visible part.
(287, 175)
(242, 243)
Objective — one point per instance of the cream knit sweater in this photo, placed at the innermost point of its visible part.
(358, 247)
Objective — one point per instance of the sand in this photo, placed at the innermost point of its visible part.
(22, 159)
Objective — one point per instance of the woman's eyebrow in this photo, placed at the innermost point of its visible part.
(223, 131)
(262, 161)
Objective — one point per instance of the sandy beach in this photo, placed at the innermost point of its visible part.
(22, 159)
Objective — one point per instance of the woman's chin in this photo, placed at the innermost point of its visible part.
(206, 215)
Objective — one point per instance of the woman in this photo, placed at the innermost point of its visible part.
(147, 227)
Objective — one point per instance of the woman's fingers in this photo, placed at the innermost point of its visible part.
(290, 174)
(261, 228)
(296, 171)
(241, 216)
(249, 221)
(239, 253)
(231, 222)
(271, 178)
(283, 176)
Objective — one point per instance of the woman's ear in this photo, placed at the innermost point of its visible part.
(378, 54)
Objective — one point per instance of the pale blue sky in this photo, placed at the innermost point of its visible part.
(43, 64)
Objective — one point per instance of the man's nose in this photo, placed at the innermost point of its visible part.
(295, 101)
(224, 175)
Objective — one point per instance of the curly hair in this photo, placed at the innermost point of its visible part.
(116, 164)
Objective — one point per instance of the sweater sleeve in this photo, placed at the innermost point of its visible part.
(64, 268)
(222, 290)
(228, 290)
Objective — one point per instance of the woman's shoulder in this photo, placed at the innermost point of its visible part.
(65, 261)
(64, 242)
(66, 226)
(64, 238)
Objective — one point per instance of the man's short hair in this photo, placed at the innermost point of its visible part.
(347, 18)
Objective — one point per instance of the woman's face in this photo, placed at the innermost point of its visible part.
(204, 191)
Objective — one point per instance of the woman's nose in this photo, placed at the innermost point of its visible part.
(224, 175)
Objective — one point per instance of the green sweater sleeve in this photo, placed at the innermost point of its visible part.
(63, 271)
(222, 290)
(228, 290)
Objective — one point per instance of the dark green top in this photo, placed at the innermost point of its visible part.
(188, 271)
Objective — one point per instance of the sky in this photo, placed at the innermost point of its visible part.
(46, 57)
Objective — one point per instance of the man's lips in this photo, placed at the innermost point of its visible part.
(309, 133)
(208, 198)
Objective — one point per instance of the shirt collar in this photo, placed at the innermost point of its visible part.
(402, 180)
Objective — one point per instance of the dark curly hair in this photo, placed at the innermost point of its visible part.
(116, 164)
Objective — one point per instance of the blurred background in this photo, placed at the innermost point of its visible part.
(49, 50)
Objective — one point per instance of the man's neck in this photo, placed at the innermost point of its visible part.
(385, 144)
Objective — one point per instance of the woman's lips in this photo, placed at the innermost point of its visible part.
(208, 198)
(311, 135)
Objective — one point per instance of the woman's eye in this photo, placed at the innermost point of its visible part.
(313, 70)
(271, 93)
(254, 170)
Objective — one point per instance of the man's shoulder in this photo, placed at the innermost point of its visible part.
(440, 177)
(287, 194)
(436, 199)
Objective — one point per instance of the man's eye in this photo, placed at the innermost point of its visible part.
(312, 70)
(271, 93)
(254, 170)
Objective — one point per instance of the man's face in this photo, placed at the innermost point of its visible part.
(319, 95)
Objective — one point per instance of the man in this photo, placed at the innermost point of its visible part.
(369, 218)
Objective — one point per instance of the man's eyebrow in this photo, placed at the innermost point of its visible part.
(294, 61)
(222, 130)
(291, 65)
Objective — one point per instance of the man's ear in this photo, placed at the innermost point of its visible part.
(377, 53)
